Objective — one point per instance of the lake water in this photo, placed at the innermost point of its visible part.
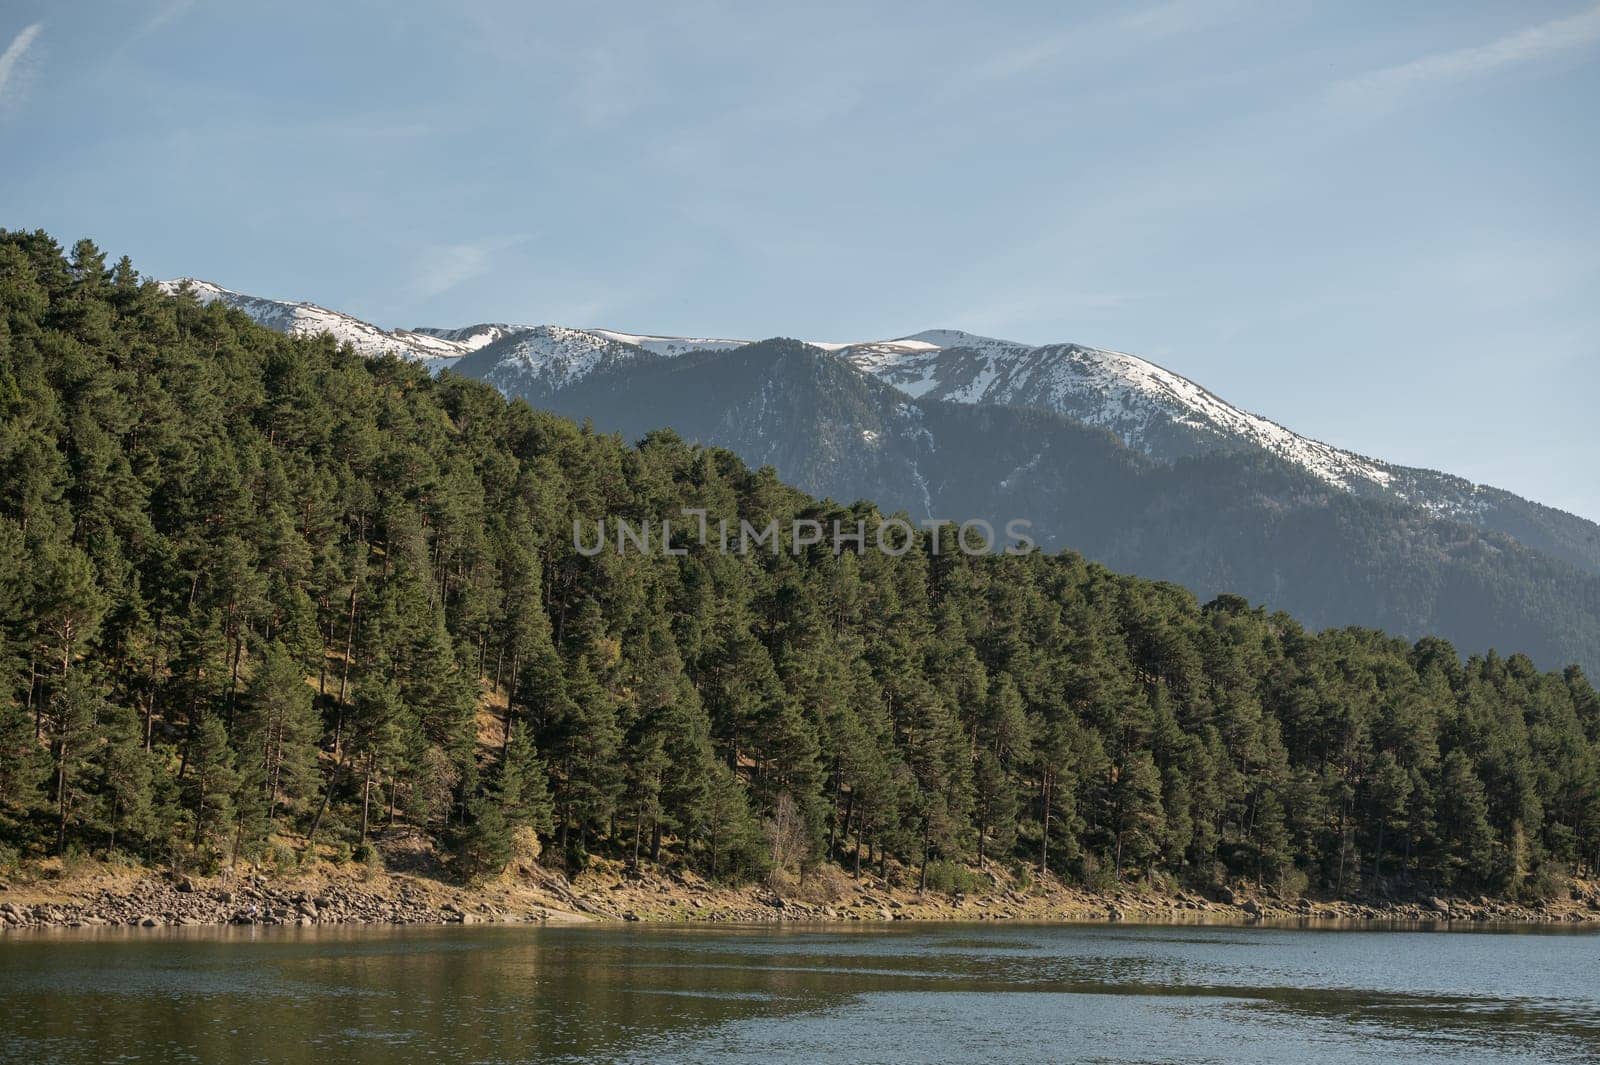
(928, 993)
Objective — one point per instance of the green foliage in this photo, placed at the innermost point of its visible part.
(952, 878)
(254, 588)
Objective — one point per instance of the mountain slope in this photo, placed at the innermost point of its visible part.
(436, 348)
(1166, 416)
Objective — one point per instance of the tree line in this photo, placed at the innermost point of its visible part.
(260, 596)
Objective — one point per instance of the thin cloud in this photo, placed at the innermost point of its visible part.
(443, 269)
(1387, 87)
(13, 55)
(1097, 36)
(165, 14)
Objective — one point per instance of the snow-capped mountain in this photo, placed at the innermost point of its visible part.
(1153, 411)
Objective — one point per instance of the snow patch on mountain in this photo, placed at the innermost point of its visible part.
(662, 345)
(1150, 408)
(473, 337)
(310, 319)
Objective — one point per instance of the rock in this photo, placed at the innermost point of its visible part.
(151, 922)
(1303, 905)
(1226, 896)
(1439, 906)
(186, 885)
(1252, 907)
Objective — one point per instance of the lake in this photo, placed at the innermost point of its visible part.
(923, 993)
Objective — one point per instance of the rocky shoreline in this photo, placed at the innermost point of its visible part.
(533, 894)
(156, 903)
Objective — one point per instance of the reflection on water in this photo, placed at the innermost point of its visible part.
(943, 993)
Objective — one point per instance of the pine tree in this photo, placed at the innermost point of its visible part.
(212, 784)
(1464, 821)
(279, 728)
(129, 806)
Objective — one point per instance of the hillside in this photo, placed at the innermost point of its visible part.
(261, 594)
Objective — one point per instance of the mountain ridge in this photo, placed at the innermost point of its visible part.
(1152, 408)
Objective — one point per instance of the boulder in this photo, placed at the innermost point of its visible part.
(1439, 906)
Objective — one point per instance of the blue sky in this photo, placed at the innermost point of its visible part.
(1375, 223)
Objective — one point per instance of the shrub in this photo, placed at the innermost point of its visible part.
(285, 859)
(953, 878)
(824, 885)
(1293, 884)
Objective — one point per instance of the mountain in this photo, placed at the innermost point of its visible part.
(1102, 451)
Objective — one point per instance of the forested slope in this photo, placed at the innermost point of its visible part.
(256, 589)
